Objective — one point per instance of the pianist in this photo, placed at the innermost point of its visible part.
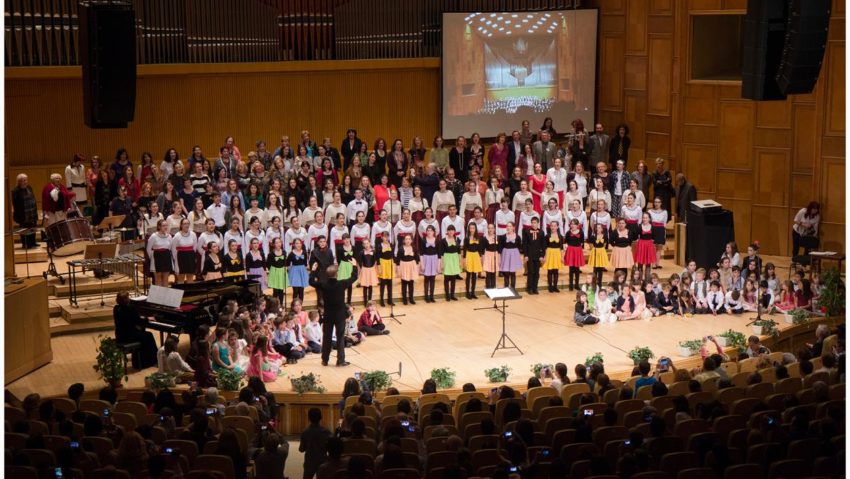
(130, 328)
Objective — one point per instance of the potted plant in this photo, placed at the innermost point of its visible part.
(537, 367)
(498, 375)
(594, 358)
(160, 380)
(797, 316)
(732, 339)
(689, 348)
(228, 380)
(638, 354)
(831, 299)
(765, 326)
(307, 383)
(111, 362)
(444, 377)
(376, 380)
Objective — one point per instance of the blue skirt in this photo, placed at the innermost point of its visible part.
(298, 276)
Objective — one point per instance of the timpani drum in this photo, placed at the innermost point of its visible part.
(69, 237)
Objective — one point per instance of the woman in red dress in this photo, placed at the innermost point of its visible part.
(382, 194)
(537, 184)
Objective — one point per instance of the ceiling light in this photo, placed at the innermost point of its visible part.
(489, 22)
(524, 20)
(492, 15)
(481, 19)
(531, 31)
(490, 35)
(530, 16)
(500, 18)
(507, 22)
(508, 32)
(514, 15)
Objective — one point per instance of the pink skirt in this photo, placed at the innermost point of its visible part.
(367, 277)
(408, 271)
(574, 256)
(621, 258)
(645, 252)
(490, 262)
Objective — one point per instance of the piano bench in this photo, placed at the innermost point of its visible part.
(129, 349)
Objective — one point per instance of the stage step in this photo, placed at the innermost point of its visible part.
(33, 255)
(88, 317)
(88, 285)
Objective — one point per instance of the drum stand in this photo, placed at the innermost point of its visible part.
(51, 267)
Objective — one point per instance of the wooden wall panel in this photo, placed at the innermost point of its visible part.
(773, 114)
(771, 185)
(771, 226)
(805, 141)
(611, 73)
(44, 117)
(700, 165)
(834, 64)
(735, 135)
(660, 74)
(636, 26)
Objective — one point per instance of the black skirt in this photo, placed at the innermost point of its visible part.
(659, 235)
(187, 262)
(162, 261)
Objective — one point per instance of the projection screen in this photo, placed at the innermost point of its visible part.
(501, 68)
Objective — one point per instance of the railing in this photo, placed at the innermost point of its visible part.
(45, 32)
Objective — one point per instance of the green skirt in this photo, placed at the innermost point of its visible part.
(278, 279)
(344, 272)
(451, 264)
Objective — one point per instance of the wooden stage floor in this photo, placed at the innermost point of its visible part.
(450, 335)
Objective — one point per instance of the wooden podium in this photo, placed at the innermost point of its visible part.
(27, 328)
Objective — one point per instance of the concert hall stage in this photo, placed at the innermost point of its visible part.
(449, 335)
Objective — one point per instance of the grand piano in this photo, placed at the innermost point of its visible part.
(201, 304)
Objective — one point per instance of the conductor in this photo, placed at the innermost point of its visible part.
(332, 292)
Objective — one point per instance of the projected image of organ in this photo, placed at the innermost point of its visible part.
(497, 66)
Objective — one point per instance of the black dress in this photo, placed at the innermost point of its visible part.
(130, 328)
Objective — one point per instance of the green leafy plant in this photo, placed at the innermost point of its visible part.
(692, 344)
(498, 375)
(799, 315)
(444, 377)
(638, 354)
(307, 383)
(594, 358)
(160, 380)
(832, 294)
(537, 367)
(768, 326)
(734, 339)
(228, 380)
(376, 380)
(111, 362)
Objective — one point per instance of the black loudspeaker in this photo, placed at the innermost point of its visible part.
(764, 40)
(108, 56)
(706, 236)
(805, 43)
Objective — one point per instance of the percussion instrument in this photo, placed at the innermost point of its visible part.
(69, 237)
(124, 265)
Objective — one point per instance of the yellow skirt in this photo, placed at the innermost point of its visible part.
(598, 258)
(552, 259)
(473, 262)
(387, 269)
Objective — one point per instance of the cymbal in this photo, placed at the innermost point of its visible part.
(123, 229)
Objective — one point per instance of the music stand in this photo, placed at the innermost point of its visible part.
(110, 223)
(503, 295)
(99, 252)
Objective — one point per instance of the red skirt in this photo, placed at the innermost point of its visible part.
(491, 213)
(645, 252)
(441, 215)
(574, 256)
(417, 217)
(468, 215)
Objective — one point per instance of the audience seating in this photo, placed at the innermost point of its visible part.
(216, 462)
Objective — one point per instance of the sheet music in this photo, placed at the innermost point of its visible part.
(823, 253)
(165, 296)
(500, 293)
